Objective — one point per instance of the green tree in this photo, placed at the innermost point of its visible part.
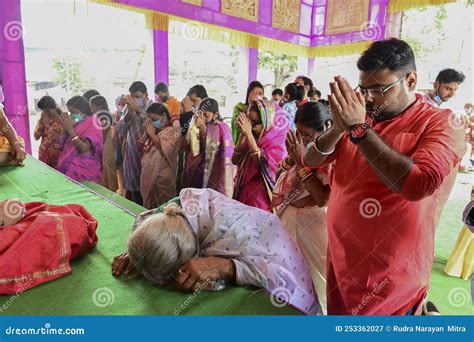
(68, 74)
(283, 66)
(432, 30)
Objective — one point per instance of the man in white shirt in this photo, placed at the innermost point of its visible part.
(445, 87)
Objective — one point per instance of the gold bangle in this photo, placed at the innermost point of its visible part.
(304, 173)
(285, 165)
(254, 153)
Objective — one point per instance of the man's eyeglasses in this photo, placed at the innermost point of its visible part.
(378, 92)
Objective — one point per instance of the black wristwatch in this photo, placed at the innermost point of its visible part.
(358, 132)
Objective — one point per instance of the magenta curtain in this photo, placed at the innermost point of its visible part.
(12, 68)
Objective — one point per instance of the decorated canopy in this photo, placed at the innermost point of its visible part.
(304, 28)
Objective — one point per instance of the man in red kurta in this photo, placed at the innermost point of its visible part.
(390, 153)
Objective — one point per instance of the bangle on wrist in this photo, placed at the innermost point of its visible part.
(315, 146)
(254, 152)
(75, 138)
(304, 172)
(285, 165)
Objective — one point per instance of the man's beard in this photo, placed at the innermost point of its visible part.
(387, 110)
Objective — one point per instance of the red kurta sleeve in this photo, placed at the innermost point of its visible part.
(439, 149)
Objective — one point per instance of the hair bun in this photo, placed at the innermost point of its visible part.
(172, 209)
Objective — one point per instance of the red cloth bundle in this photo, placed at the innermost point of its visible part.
(39, 248)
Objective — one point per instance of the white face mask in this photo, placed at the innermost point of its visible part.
(437, 97)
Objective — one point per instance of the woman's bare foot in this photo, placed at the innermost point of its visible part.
(11, 212)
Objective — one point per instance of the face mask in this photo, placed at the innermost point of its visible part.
(438, 98)
(76, 117)
(140, 102)
(157, 124)
(468, 111)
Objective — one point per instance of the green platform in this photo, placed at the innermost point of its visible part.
(91, 285)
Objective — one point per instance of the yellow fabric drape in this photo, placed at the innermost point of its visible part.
(402, 5)
(161, 21)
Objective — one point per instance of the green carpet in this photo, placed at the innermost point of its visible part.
(91, 289)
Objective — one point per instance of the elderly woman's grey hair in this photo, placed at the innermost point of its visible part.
(161, 244)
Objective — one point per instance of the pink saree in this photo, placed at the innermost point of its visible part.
(83, 166)
(254, 182)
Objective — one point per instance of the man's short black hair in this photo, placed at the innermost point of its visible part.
(46, 102)
(198, 90)
(450, 75)
(161, 88)
(393, 54)
(278, 92)
(313, 91)
(306, 81)
(137, 86)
